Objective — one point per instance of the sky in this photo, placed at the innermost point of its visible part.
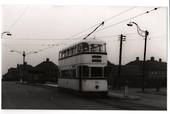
(36, 27)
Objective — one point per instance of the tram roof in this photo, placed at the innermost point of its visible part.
(89, 41)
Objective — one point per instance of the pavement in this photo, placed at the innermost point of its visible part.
(147, 97)
(122, 96)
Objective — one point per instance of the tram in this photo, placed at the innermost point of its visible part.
(83, 67)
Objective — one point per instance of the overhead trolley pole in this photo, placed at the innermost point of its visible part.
(101, 24)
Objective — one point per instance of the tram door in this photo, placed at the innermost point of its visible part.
(83, 72)
(80, 74)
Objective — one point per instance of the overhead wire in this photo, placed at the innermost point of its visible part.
(70, 38)
(112, 25)
(43, 39)
(19, 17)
(105, 27)
(117, 22)
(40, 50)
(114, 16)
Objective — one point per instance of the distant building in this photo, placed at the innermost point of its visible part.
(11, 75)
(46, 71)
(24, 71)
(155, 73)
(17, 74)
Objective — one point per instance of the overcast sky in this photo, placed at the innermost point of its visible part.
(35, 27)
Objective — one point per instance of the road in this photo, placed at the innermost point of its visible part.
(23, 96)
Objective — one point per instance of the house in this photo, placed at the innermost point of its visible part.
(11, 75)
(21, 73)
(46, 71)
(155, 73)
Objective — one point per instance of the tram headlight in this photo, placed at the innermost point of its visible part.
(97, 87)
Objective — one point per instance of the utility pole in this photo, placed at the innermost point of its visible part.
(23, 55)
(122, 38)
(23, 66)
(144, 60)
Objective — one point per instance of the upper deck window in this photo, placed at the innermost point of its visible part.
(79, 48)
(98, 48)
(83, 47)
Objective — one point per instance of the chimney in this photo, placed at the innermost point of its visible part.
(152, 58)
(160, 60)
(25, 63)
(47, 59)
(137, 58)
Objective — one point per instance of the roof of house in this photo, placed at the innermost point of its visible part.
(151, 64)
(26, 67)
(46, 66)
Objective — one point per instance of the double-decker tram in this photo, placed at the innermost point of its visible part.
(83, 67)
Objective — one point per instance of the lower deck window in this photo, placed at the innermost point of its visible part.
(68, 73)
(105, 71)
(96, 72)
(83, 71)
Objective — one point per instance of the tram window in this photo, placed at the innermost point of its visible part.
(74, 50)
(85, 71)
(105, 71)
(93, 49)
(62, 73)
(96, 71)
(61, 55)
(85, 47)
(79, 48)
(64, 53)
(98, 48)
(74, 73)
(71, 73)
(67, 53)
(71, 52)
(104, 46)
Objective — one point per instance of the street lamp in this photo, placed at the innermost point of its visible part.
(143, 33)
(24, 55)
(7, 33)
